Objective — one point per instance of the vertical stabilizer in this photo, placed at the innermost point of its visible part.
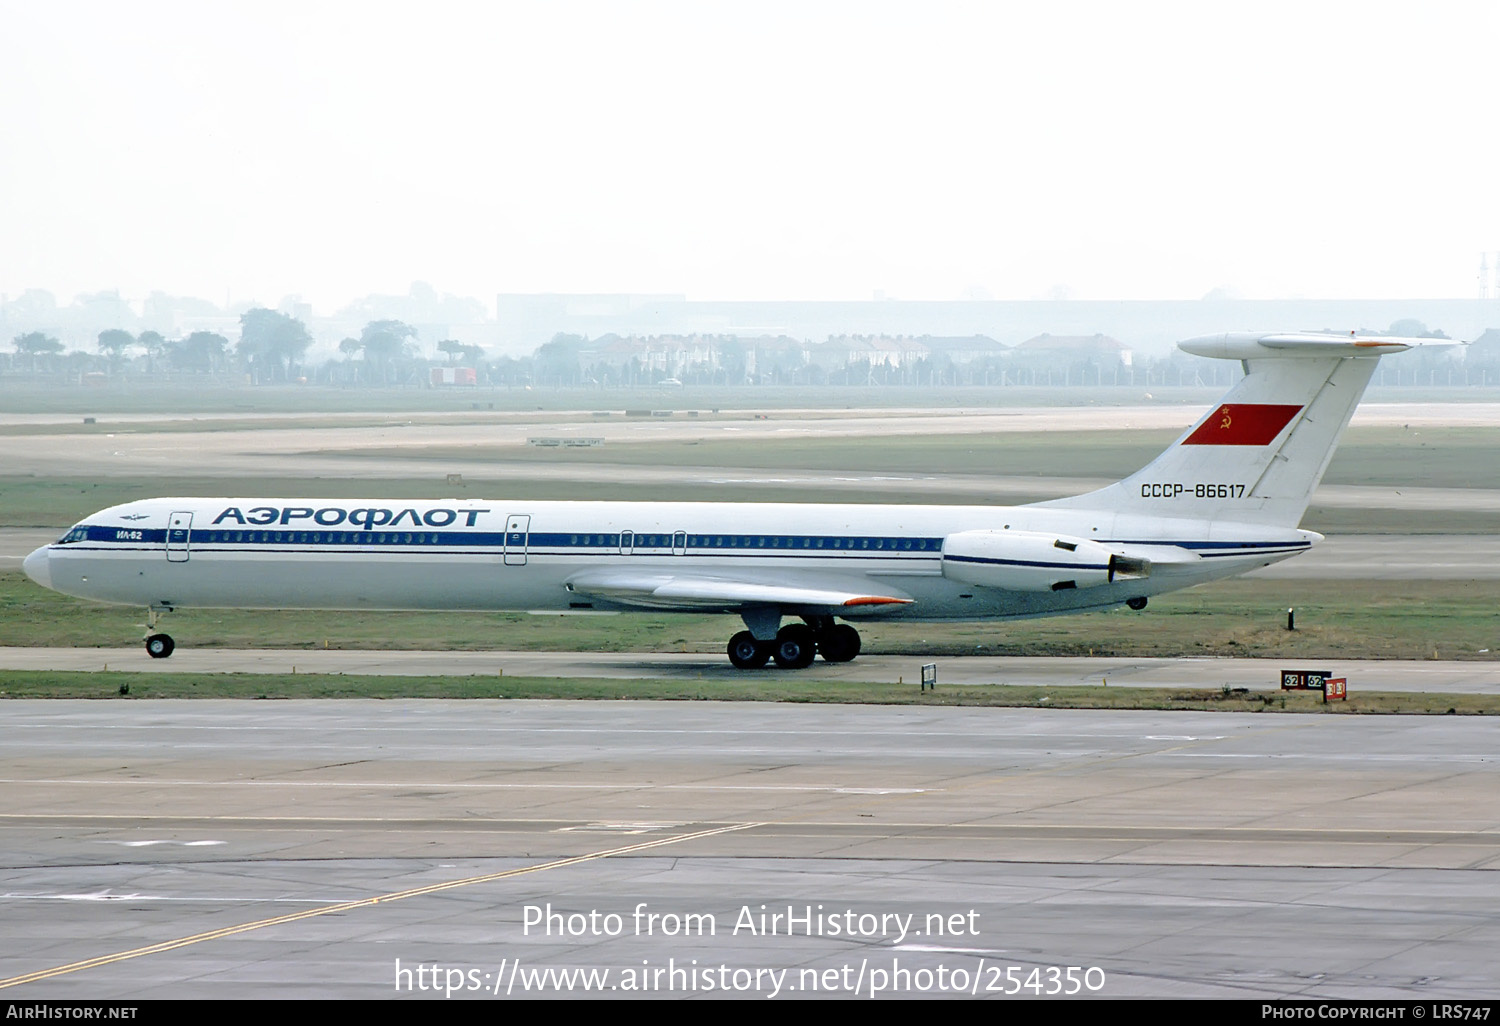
(1256, 456)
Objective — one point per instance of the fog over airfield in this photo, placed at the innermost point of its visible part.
(746, 150)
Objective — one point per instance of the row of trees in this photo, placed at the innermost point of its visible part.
(201, 351)
(272, 347)
(386, 354)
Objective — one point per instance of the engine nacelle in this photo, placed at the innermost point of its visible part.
(1028, 561)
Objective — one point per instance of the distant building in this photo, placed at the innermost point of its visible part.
(843, 351)
(1089, 347)
(965, 350)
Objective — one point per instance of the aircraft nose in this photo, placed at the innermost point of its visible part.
(37, 569)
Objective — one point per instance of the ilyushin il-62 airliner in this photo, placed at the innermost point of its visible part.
(1225, 498)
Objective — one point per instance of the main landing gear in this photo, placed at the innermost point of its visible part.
(795, 646)
(158, 646)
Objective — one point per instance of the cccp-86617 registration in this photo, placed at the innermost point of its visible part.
(1197, 490)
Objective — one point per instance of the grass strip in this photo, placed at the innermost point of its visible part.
(768, 688)
(1241, 617)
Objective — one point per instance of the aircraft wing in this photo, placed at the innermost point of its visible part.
(648, 589)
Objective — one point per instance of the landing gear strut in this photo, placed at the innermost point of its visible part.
(158, 646)
(793, 647)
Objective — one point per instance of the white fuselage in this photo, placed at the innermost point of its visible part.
(465, 554)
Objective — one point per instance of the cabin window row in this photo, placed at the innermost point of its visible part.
(609, 541)
(752, 541)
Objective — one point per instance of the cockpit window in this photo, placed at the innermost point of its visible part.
(77, 534)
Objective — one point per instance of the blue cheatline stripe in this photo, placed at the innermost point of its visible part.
(641, 543)
(603, 543)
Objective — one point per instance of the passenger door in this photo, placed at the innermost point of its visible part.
(179, 533)
(517, 535)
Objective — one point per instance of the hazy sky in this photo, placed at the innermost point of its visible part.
(749, 150)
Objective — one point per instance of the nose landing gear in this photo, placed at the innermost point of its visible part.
(158, 646)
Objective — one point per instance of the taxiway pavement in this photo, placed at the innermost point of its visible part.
(316, 849)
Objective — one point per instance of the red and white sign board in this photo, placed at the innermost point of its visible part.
(454, 376)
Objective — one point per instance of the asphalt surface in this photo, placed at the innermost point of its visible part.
(318, 849)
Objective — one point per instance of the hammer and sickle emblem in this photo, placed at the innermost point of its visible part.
(1225, 422)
